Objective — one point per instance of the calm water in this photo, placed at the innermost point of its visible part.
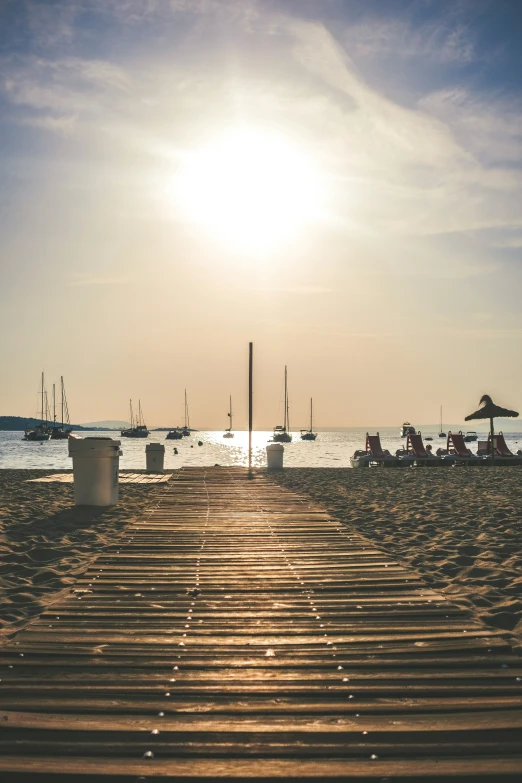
(331, 449)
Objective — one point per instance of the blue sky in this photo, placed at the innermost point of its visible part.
(402, 119)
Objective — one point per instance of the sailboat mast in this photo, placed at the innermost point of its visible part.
(286, 422)
(441, 418)
(187, 418)
(230, 413)
(131, 415)
(63, 393)
(42, 413)
(311, 415)
(54, 405)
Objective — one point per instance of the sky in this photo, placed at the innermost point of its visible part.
(338, 181)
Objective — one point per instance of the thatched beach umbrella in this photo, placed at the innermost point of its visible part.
(491, 411)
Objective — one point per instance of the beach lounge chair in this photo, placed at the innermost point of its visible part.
(378, 454)
(373, 454)
(460, 451)
(500, 445)
(423, 457)
(502, 451)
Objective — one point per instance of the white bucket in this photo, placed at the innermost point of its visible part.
(274, 456)
(155, 453)
(96, 463)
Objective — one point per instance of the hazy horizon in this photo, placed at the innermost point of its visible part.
(338, 182)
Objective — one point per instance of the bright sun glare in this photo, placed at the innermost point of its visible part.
(253, 189)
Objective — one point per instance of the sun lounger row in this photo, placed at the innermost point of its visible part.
(419, 455)
(456, 445)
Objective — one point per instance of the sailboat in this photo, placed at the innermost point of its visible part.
(309, 434)
(138, 428)
(61, 431)
(228, 433)
(175, 434)
(41, 431)
(441, 434)
(186, 429)
(281, 433)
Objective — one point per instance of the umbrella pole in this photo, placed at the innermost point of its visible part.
(492, 431)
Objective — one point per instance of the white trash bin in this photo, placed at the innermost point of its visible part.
(96, 463)
(274, 456)
(155, 453)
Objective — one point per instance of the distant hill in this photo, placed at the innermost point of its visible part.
(18, 423)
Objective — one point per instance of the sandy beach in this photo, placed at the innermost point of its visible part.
(45, 541)
(461, 529)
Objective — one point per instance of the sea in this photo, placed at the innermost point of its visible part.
(207, 448)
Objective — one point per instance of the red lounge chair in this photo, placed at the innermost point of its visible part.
(376, 451)
(458, 448)
(373, 446)
(501, 447)
(415, 446)
(423, 456)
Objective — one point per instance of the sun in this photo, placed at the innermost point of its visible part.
(252, 188)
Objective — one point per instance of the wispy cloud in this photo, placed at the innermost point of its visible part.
(56, 93)
(488, 124)
(423, 171)
(51, 23)
(422, 176)
(443, 41)
(40, 82)
(63, 124)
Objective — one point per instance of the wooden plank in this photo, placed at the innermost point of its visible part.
(124, 478)
(268, 769)
(448, 722)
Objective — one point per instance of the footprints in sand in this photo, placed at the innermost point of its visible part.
(45, 541)
(461, 529)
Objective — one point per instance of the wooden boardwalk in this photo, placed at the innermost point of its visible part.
(238, 631)
(124, 478)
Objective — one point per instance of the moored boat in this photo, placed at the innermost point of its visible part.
(309, 434)
(138, 428)
(63, 430)
(441, 433)
(175, 434)
(42, 431)
(407, 429)
(39, 432)
(281, 432)
(228, 432)
(186, 429)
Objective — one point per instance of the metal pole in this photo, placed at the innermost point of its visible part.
(250, 371)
